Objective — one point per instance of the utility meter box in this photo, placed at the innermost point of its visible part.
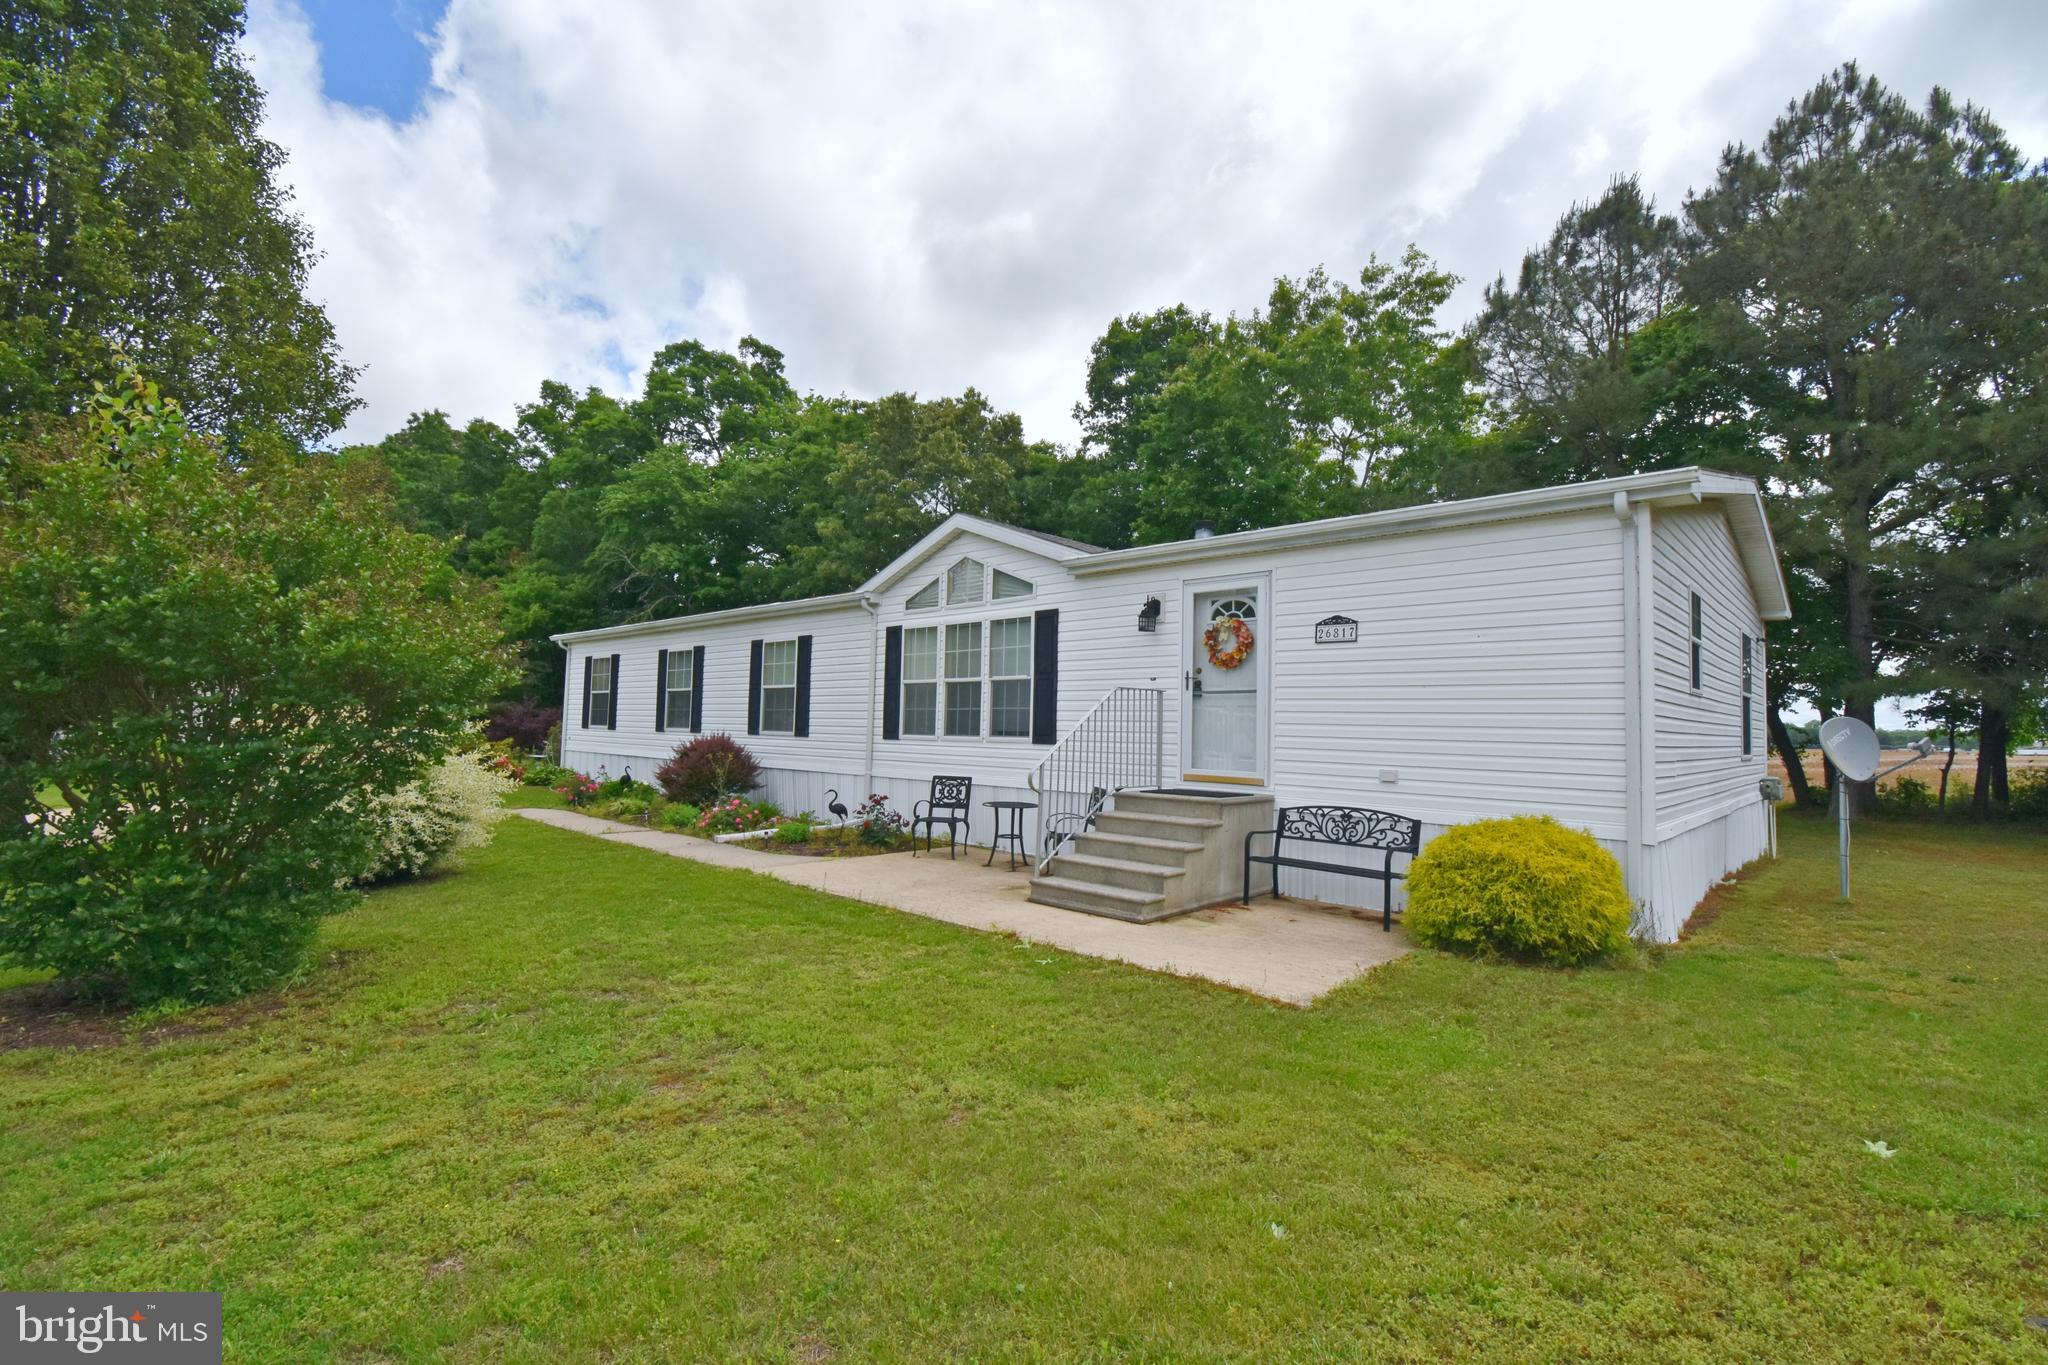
(1773, 789)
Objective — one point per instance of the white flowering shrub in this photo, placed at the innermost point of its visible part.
(425, 822)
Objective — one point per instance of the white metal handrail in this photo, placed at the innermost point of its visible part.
(1118, 745)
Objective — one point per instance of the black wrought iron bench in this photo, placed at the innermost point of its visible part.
(1337, 827)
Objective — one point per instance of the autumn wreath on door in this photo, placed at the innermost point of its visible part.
(1228, 641)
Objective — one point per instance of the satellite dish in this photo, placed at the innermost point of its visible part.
(1851, 746)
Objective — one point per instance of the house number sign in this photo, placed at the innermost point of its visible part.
(1336, 630)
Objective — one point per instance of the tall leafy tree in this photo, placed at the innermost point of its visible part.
(140, 212)
(1866, 264)
(1334, 397)
(1573, 396)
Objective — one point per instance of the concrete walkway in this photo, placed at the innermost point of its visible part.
(1290, 951)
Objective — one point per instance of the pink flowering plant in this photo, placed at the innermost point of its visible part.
(736, 815)
(577, 789)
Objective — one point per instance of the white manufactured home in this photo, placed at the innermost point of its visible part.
(1592, 652)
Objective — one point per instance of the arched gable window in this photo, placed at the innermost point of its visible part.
(925, 597)
(1009, 585)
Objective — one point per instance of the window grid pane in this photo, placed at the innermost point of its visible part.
(921, 708)
(963, 708)
(963, 650)
(778, 664)
(778, 709)
(1009, 648)
(1009, 715)
(921, 654)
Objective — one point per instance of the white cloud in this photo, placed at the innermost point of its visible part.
(930, 198)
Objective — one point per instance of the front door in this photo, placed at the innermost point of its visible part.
(1224, 680)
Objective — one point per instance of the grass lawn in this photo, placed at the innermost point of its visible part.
(581, 1100)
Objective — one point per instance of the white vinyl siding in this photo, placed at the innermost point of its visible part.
(1702, 768)
(921, 681)
(778, 687)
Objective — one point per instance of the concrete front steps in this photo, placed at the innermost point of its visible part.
(1156, 853)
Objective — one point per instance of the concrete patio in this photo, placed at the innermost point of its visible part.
(1291, 951)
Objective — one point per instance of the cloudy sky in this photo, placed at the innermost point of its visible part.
(925, 198)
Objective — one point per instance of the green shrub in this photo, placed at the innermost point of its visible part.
(2029, 790)
(637, 806)
(793, 831)
(1906, 796)
(1523, 887)
(209, 664)
(541, 773)
(679, 815)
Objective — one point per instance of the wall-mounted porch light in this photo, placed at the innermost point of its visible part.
(1148, 616)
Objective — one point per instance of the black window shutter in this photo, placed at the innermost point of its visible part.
(661, 691)
(803, 686)
(612, 721)
(754, 689)
(588, 659)
(1045, 677)
(892, 684)
(697, 690)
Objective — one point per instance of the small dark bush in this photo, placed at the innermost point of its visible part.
(2029, 795)
(525, 722)
(707, 770)
(1906, 796)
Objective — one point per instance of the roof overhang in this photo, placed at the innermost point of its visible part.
(1738, 496)
(766, 611)
(960, 524)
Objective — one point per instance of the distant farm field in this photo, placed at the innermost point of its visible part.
(1962, 777)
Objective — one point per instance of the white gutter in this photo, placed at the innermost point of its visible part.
(874, 611)
(710, 618)
(1639, 692)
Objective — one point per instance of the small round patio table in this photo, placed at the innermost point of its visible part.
(1014, 835)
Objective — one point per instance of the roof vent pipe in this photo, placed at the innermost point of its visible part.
(1204, 529)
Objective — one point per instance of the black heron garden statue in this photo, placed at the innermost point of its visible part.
(834, 804)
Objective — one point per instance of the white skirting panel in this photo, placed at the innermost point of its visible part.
(1685, 867)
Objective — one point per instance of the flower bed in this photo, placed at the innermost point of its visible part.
(874, 827)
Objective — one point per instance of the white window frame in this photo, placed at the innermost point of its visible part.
(672, 718)
(602, 663)
(768, 646)
(978, 680)
(1698, 629)
(995, 679)
(933, 681)
(941, 680)
(1748, 695)
(956, 598)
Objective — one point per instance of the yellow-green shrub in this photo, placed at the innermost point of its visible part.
(1521, 887)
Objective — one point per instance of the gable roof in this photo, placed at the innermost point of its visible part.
(1044, 544)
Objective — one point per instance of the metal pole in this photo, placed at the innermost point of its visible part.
(1842, 806)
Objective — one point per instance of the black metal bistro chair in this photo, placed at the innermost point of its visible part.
(947, 805)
